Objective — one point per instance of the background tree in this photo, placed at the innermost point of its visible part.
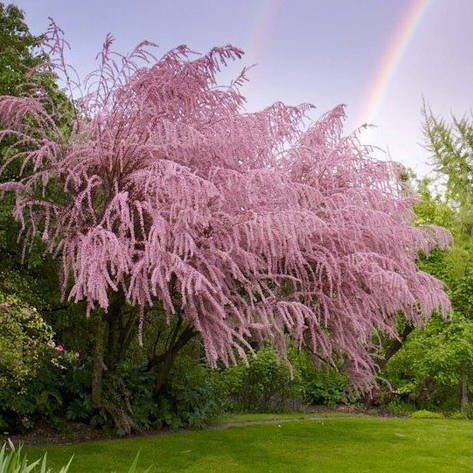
(435, 364)
(17, 45)
(21, 59)
(175, 203)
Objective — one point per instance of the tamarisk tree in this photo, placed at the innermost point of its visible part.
(245, 226)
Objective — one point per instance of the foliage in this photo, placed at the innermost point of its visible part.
(441, 349)
(431, 365)
(25, 344)
(249, 225)
(24, 338)
(190, 397)
(399, 407)
(451, 146)
(36, 373)
(322, 384)
(328, 387)
(268, 383)
(436, 362)
(265, 384)
(16, 44)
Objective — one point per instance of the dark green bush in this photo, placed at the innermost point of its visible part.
(26, 345)
(265, 384)
(39, 379)
(190, 397)
(323, 384)
(269, 383)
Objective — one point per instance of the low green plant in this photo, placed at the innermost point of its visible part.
(424, 414)
(14, 460)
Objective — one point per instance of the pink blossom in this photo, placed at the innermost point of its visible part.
(60, 348)
(265, 227)
(77, 354)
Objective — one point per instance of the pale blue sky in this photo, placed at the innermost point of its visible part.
(319, 51)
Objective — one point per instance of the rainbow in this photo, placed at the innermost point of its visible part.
(391, 60)
(262, 27)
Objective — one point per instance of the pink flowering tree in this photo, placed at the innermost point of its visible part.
(239, 226)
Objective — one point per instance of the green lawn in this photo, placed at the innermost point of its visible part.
(334, 444)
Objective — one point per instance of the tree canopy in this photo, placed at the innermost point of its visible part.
(16, 44)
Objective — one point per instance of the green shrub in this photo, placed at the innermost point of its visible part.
(268, 383)
(399, 407)
(26, 344)
(265, 384)
(423, 414)
(322, 384)
(428, 370)
(457, 415)
(39, 380)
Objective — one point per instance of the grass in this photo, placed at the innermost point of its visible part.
(328, 445)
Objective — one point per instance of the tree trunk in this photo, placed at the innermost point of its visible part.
(164, 369)
(112, 339)
(464, 391)
(98, 364)
(395, 345)
(121, 326)
(163, 363)
(370, 399)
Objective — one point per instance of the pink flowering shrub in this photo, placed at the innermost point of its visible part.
(250, 226)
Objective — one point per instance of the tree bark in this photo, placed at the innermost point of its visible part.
(370, 398)
(98, 364)
(395, 345)
(112, 339)
(121, 326)
(165, 361)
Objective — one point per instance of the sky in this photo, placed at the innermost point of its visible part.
(379, 57)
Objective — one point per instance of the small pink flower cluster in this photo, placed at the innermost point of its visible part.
(5, 305)
(60, 348)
